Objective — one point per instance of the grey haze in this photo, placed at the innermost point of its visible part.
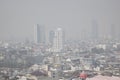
(17, 17)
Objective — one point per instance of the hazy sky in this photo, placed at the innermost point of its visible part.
(17, 17)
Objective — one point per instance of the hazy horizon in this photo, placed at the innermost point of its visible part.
(18, 17)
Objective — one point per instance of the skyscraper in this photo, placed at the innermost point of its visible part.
(51, 37)
(58, 40)
(39, 34)
(113, 34)
(94, 30)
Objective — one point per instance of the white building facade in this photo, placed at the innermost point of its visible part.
(58, 40)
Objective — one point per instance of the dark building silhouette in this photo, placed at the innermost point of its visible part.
(39, 34)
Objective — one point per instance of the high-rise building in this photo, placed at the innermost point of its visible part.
(58, 40)
(113, 34)
(51, 37)
(94, 30)
(39, 34)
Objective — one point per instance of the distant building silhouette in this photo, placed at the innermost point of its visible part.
(94, 30)
(39, 34)
(113, 34)
(51, 36)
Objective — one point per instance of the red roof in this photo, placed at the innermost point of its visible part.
(83, 75)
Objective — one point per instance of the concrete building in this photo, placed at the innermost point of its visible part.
(58, 40)
(113, 32)
(39, 34)
(51, 37)
(94, 30)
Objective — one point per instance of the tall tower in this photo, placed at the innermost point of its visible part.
(51, 37)
(94, 30)
(113, 31)
(58, 40)
(39, 34)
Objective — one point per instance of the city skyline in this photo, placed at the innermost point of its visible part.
(75, 17)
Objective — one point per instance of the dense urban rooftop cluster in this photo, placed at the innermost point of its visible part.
(37, 62)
